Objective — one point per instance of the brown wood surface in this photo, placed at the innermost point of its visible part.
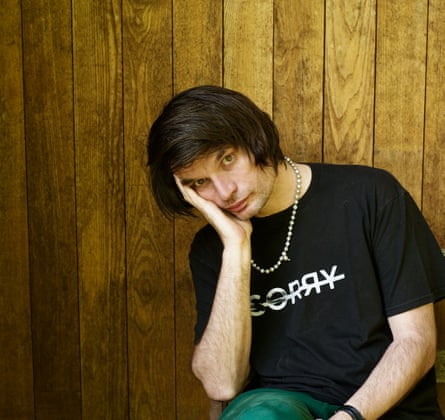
(149, 236)
(349, 78)
(400, 91)
(298, 77)
(248, 49)
(47, 64)
(433, 203)
(100, 203)
(16, 383)
(198, 43)
(97, 306)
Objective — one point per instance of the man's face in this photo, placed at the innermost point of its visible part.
(230, 179)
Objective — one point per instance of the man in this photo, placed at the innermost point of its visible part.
(315, 283)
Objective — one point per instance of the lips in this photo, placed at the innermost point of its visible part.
(238, 206)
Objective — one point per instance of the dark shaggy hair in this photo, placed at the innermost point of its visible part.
(201, 121)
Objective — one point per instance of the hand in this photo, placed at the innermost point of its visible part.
(340, 415)
(229, 228)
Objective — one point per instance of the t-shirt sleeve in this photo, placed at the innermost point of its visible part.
(410, 264)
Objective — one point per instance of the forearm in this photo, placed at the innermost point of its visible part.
(401, 367)
(221, 358)
(405, 362)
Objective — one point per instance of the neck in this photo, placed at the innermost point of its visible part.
(283, 190)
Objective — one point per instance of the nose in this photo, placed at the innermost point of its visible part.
(224, 187)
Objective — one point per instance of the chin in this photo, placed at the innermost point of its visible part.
(241, 217)
(246, 214)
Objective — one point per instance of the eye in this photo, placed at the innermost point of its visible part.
(228, 159)
(199, 182)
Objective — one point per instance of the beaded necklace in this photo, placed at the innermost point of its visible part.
(290, 228)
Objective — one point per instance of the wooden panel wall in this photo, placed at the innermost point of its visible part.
(97, 304)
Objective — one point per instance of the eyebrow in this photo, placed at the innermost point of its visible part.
(187, 181)
(218, 156)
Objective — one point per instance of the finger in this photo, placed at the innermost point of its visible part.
(178, 183)
(188, 193)
(181, 187)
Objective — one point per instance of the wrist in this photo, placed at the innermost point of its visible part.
(240, 252)
(351, 411)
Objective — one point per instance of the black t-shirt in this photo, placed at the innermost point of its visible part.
(361, 252)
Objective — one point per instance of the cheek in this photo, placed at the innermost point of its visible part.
(207, 194)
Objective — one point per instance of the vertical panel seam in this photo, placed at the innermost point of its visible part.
(76, 218)
(172, 46)
(425, 97)
(374, 110)
(223, 35)
(173, 248)
(27, 210)
(323, 85)
(273, 61)
(124, 172)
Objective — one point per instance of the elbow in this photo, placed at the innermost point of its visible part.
(426, 351)
(220, 392)
(219, 384)
(431, 357)
(430, 350)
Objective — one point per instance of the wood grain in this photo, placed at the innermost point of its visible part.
(48, 83)
(197, 60)
(97, 308)
(100, 208)
(433, 205)
(198, 43)
(149, 236)
(248, 50)
(434, 156)
(298, 77)
(400, 91)
(349, 92)
(16, 391)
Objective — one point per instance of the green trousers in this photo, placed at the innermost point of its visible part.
(277, 404)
